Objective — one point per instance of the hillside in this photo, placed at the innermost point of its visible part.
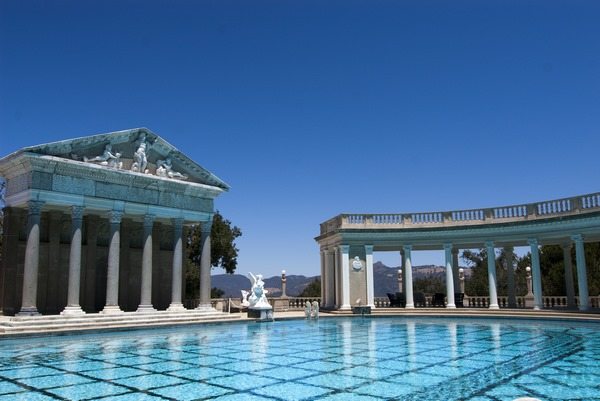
(385, 277)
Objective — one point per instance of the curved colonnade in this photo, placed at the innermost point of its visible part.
(347, 243)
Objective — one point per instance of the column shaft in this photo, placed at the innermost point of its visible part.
(455, 268)
(370, 284)
(146, 282)
(73, 307)
(491, 262)
(536, 273)
(176, 304)
(410, 303)
(112, 274)
(344, 250)
(323, 278)
(331, 277)
(205, 266)
(569, 286)
(32, 259)
(449, 277)
(584, 301)
(510, 275)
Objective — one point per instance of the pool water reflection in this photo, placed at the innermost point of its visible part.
(329, 359)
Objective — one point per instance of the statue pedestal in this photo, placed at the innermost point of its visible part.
(261, 314)
(281, 304)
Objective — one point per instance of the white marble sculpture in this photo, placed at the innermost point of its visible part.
(307, 309)
(140, 159)
(258, 294)
(164, 168)
(107, 158)
(315, 310)
(245, 298)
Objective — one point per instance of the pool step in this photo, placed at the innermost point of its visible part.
(97, 321)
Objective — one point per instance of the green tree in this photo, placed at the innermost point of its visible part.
(478, 282)
(216, 292)
(224, 252)
(312, 290)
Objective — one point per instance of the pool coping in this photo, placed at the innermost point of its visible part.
(161, 320)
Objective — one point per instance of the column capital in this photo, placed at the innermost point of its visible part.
(115, 216)
(567, 245)
(149, 220)
(489, 244)
(77, 212)
(577, 237)
(407, 248)
(177, 223)
(369, 249)
(35, 207)
(206, 226)
(448, 247)
(532, 242)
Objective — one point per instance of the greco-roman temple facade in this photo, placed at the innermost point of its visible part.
(98, 224)
(347, 243)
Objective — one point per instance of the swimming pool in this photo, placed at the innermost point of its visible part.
(331, 359)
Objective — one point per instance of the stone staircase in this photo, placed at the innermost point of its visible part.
(16, 325)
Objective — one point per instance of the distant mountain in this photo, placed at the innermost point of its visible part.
(233, 284)
(385, 277)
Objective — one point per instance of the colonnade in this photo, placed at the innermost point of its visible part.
(336, 288)
(32, 254)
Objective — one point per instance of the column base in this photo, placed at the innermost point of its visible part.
(205, 307)
(72, 311)
(584, 307)
(145, 308)
(29, 311)
(450, 306)
(409, 306)
(494, 306)
(345, 307)
(176, 307)
(111, 310)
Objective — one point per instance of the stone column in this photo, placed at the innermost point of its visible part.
(569, 286)
(52, 290)
(345, 250)
(338, 277)
(205, 266)
(581, 273)
(370, 284)
(176, 304)
(537, 274)
(410, 303)
(146, 290)
(510, 276)
(10, 259)
(89, 297)
(112, 274)
(73, 307)
(491, 262)
(32, 260)
(331, 277)
(449, 277)
(324, 278)
(455, 267)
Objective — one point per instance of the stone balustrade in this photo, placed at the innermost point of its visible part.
(528, 212)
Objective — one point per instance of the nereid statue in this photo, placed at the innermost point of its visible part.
(164, 168)
(140, 159)
(107, 158)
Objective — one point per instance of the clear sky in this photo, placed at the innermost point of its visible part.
(309, 109)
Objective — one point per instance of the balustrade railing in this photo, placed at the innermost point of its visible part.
(532, 211)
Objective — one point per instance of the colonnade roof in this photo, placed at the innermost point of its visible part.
(549, 222)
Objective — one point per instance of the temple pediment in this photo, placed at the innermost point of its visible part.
(136, 150)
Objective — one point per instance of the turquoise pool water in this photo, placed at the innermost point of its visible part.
(330, 359)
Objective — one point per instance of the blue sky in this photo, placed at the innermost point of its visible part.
(313, 108)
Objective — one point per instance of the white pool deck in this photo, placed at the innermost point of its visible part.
(55, 324)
